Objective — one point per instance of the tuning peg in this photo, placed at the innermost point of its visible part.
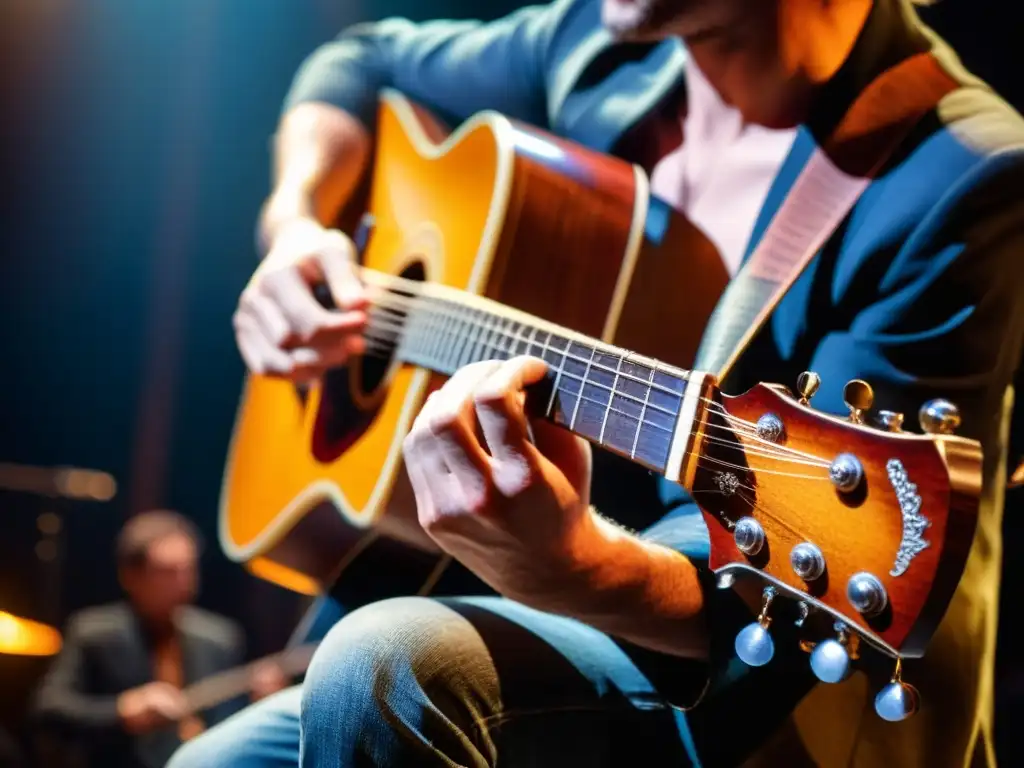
(859, 397)
(830, 659)
(939, 417)
(891, 421)
(754, 644)
(898, 700)
(807, 384)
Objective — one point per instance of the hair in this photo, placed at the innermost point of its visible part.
(145, 529)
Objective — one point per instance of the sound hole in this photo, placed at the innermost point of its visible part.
(352, 395)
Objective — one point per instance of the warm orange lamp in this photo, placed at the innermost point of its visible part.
(23, 637)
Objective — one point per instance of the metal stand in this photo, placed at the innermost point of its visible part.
(59, 487)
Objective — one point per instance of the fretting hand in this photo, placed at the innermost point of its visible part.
(514, 511)
(281, 329)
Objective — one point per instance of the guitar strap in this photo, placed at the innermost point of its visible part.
(822, 196)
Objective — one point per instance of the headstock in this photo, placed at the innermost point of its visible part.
(863, 527)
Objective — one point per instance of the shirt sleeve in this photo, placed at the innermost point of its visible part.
(456, 68)
(64, 697)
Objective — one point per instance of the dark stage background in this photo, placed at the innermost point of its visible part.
(133, 159)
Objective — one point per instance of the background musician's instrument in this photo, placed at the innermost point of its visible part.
(863, 528)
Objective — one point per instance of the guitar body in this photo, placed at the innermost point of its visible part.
(496, 209)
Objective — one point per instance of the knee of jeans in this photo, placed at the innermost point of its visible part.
(382, 655)
(207, 751)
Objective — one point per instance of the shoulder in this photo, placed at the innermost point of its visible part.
(211, 627)
(968, 156)
(99, 622)
(978, 133)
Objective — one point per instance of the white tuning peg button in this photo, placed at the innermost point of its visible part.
(898, 700)
(830, 659)
(754, 644)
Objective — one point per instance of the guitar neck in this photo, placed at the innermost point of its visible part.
(632, 405)
(226, 685)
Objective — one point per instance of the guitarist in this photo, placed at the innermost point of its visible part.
(114, 691)
(606, 640)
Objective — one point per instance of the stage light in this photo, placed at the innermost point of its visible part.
(23, 637)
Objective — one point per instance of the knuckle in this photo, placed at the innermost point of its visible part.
(413, 442)
(476, 502)
(514, 476)
(443, 419)
(280, 367)
(337, 245)
(491, 396)
(249, 299)
(280, 334)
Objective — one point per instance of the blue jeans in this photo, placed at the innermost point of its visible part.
(461, 681)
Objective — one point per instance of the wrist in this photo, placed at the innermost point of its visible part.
(284, 214)
(588, 573)
(619, 577)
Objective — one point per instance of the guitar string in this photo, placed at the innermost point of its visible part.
(516, 336)
(754, 506)
(747, 449)
(749, 430)
(505, 334)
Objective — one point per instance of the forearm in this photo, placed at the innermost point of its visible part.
(637, 590)
(77, 711)
(320, 154)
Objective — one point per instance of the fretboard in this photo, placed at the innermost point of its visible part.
(626, 403)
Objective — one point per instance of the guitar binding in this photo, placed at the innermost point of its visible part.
(352, 395)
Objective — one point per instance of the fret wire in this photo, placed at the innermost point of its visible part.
(489, 338)
(482, 342)
(448, 340)
(611, 399)
(452, 348)
(643, 416)
(426, 332)
(532, 338)
(558, 374)
(645, 423)
(460, 344)
(437, 339)
(474, 339)
(480, 349)
(503, 336)
(512, 331)
(509, 336)
(583, 385)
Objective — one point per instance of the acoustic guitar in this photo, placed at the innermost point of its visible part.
(865, 529)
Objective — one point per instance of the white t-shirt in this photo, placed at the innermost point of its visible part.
(720, 176)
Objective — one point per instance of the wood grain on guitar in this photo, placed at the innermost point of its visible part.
(866, 529)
